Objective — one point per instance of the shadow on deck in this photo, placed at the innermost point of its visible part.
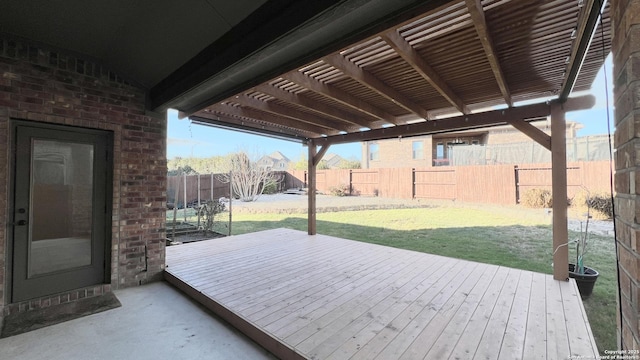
(322, 297)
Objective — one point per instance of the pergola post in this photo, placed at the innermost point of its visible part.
(311, 188)
(559, 192)
(314, 159)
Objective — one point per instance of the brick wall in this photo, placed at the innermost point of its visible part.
(397, 153)
(48, 85)
(626, 78)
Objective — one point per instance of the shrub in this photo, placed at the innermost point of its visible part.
(537, 198)
(340, 190)
(271, 187)
(599, 204)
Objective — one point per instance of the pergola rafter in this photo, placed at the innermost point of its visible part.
(372, 82)
(292, 113)
(264, 117)
(404, 49)
(321, 108)
(340, 96)
(480, 23)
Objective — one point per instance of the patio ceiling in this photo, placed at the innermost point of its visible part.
(328, 69)
(428, 74)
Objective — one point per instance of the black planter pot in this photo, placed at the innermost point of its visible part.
(584, 281)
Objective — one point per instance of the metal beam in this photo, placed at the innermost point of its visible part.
(280, 36)
(236, 125)
(480, 23)
(587, 24)
(411, 56)
(270, 21)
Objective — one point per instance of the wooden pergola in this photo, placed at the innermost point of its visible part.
(456, 66)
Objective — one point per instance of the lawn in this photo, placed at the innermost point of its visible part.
(513, 237)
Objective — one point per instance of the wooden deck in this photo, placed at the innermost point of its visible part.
(322, 297)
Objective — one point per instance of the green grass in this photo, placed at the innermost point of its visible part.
(503, 236)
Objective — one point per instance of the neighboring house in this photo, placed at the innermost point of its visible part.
(275, 161)
(433, 150)
(332, 160)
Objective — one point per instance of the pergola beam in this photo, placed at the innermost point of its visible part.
(229, 123)
(340, 96)
(411, 56)
(480, 24)
(319, 107)
(463, 122)
(369, 80)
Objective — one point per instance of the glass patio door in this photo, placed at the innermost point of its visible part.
(61, 212)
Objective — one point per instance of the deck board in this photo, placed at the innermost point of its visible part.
(321, 297)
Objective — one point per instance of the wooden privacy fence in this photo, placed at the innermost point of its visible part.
(498, 184)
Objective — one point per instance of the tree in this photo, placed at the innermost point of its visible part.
(182, 170)
(323, 165)
(247, 178)
(349, 164)
(301, 164)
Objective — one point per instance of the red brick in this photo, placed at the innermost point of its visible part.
(55, 92)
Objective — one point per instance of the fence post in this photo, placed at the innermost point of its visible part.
(517, 180)
(184, 203)
(413, 183)
(350, 182)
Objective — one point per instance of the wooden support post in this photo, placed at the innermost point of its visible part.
(184, 203)
(559, 192)
(311, 188)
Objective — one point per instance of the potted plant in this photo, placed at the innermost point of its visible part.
(585, 276)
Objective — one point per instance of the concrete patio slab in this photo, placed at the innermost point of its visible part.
(156, 321)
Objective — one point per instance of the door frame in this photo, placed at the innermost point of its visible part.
(14, 124)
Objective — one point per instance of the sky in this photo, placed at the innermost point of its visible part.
(191, 140)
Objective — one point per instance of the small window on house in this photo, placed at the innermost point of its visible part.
(417, 150)
(374, 152)
(440, 151)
